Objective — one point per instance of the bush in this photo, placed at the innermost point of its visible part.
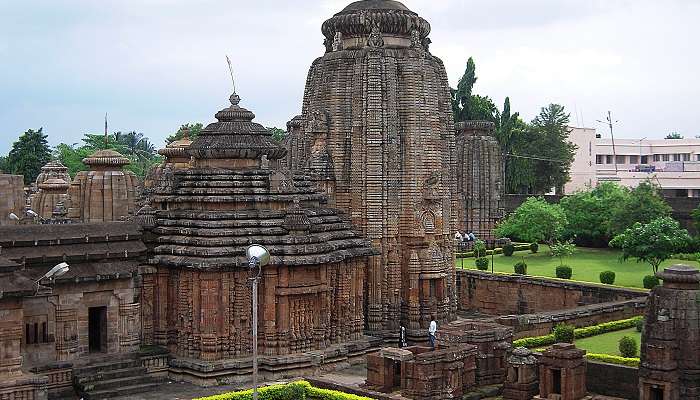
(293, 391)
(520, 268)
(564, 272)
(479, 249)
(607, 358)
(628, 347)
(639, 325)
(607, 277)
(650, 281)
(579, 333)
(564, 333)
(508, 250)
(482, 264)
(535, 341)
(534, 248)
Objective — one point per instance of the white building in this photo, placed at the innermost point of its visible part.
(673, 164)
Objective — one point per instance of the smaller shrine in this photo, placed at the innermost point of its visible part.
(562, 373)
(522, 379)
(52, 192)
(52, 169)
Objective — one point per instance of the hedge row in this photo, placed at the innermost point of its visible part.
(496, 251)
(607, 358)
(580, 333)
(300, 390)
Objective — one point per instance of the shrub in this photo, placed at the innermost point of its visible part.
(520, 268)
(564, 272)
(482, 264)
(579, 333)
(535, 341)
(607, 277)
(293, 391)
(628, 347)
(639, 325)
(650, 281)
(479, 248)
(534, 248)
(607, 358)
(508, 249)
(564, 333)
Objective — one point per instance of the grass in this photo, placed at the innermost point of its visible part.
(607, 343)
(587, 264)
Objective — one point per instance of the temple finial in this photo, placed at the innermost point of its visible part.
(230, 70)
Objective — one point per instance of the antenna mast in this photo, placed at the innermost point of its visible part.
(230, 70)
(610, 122)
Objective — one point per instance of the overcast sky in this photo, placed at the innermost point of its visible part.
(155, 64)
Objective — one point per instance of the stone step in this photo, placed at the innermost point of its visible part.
(95, 369)
(122, 391)
(114, 384)
(108, 375)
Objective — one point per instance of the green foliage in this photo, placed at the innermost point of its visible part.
(292, 391)
(639, 325)
(520, 268)
(551, 131)
(482, 263)
(590, 213)
(579, 333)
(610, 359)
(193, 130)
(277, 133)
(562, 250)
(564, 333)
(607, 277)
(534, 221)
(479, 248)
(650, 282)
(564, 272)
(628, 347)
(467, 106)
(674, 136)
(653, 242)
(535, 341)
(644, 204)
(508, 249)
(534, 248)
(72, 157)
(28, 154)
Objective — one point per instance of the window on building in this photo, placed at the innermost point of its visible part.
(676, 157)
(657, 157)
(608, 159)
(664, 157)
(645, 160)
(697, 156)
(686, 156)
(634, 159)
(620, 159)
(600, 158)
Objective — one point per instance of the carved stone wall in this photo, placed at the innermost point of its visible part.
(12, 198)
(378, 138)
(479, 179)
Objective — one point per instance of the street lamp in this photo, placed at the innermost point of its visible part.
(55, 272)
(258, 257)
(13, 217)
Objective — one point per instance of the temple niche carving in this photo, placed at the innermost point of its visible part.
(197, 296)
(479, 179)
(376, 134)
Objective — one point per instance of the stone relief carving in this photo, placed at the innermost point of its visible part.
(338, 42)
(375, 38)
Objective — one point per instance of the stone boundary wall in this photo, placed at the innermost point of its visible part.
(612, 380)
(503, 294)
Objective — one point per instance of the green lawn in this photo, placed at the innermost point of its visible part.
(607, 343)
(587, 264)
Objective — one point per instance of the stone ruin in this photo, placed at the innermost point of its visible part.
(522, 380)
(376, 133)
(480, 186)
(670, 358)
(562, 373)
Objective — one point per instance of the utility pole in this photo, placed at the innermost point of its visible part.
(609, 122)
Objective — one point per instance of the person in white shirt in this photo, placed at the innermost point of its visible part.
(431, 332)
(458, 237)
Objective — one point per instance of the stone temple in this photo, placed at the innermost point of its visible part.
(376, 133)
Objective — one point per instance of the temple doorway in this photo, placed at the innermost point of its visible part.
(97, 329)
(656, 394)
(556, 381)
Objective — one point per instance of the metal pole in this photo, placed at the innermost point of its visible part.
(255, 338)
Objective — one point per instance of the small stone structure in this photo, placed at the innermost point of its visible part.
(670, 359)
(52, 169)
(522, 379)
(377, 136)
(493, 341)
(176, 157)
(51, 192)
(422, 373)
(562, 373)
(12, 198)
(104, 193)
(480, 185)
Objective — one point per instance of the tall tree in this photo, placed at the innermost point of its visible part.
(29, 153)
(534, 221)
(467, 106)
(644, 204)
(552, 148)
(277, 133)
(590, 214)
(193, 130)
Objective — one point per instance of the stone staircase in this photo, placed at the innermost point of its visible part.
(118, 377)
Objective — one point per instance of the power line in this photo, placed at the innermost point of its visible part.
(536, 158)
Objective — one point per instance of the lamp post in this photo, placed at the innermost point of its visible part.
(55, 272)
(258, 257)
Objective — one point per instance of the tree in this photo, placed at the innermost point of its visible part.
(653, 242)
(467, 106)
(589, 213)
(562, 249)
(534, 221)
(674, 135)
(72, 157)
(643, 205)
(551, 131)
(277, 133)
(193, 128)
(3, 164)
(29, 153)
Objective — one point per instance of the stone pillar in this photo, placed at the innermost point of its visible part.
(670, 359)
(563, 373)
(67, 343)
(11, 330)
(129, 326)
(522, 380)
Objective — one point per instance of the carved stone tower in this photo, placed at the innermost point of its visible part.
(479, 178)
(377, 135)
(51, 192)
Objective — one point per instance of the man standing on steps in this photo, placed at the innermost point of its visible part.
(431, 331)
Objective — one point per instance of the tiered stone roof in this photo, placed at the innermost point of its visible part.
(53, 169)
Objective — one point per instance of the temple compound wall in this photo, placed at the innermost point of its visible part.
(480, 186)
(376, 133)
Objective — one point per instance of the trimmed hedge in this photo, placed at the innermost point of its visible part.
(300, 390)
(508, 250)
(607, 277)
(534, 248)
(628, 347)
(610, 359)
(482, 264)
(579, 333)
(564, 272)
(650, 282)
(496, 251)
(520, 268)
(564, 333)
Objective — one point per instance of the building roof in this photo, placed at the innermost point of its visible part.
(106, 158)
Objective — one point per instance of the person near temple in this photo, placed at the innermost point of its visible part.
(432, 329)
(471, 237)
(458, 237)
(402, 337)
